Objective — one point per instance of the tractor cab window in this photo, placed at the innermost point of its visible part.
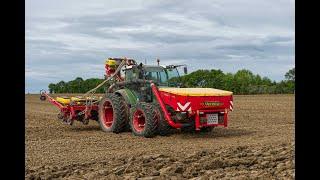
(158, 76)
(131, 75)
(173, 77)
(173, 73)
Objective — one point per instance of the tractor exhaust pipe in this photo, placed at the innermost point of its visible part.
(163, 107)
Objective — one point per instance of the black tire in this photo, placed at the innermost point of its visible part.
(207, 129)
(43, 98)
(164, 129)
(127, 117)
(144, 120)
(112, 118)
(190, 129)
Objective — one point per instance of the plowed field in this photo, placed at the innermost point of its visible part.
(259, 143)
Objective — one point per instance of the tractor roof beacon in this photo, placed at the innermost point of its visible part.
(148, 100)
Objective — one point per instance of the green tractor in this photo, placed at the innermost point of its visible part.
(151, 100)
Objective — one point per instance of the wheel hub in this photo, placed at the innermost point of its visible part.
(107, 114)
(139, 121)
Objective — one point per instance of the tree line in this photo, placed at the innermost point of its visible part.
(77, 85)
(241, 82)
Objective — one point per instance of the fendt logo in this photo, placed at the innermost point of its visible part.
(184, 107)
(211, 103)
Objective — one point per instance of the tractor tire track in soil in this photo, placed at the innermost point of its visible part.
(259, 143)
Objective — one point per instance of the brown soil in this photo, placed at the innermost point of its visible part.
(259, 143)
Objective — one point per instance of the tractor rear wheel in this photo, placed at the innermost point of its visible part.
(144, 120)
(112, 113)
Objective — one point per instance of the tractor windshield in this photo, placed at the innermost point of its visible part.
(172, 73)
(157, 75)
(173, 77)
(163, 76)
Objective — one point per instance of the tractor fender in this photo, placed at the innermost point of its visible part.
(129, 96)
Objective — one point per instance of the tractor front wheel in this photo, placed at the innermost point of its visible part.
(164, 129)
(112, 114)
(144, 120)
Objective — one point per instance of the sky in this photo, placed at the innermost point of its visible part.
(65, 39)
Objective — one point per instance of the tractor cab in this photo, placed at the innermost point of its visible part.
(163, 76)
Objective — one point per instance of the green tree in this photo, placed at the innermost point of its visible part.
(242, 79)
(290, 75)
(215, 79)
(52, 88)
(228, 82)
(61, 87)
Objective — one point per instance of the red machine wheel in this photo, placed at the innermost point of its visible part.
(107, 115)
(144, 120)
(139, 120)
(112, 114)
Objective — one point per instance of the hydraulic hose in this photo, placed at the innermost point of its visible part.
(101, 84)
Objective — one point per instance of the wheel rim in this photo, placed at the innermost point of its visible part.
(107, 114)
(139, 120)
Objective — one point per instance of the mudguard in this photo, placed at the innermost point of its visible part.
(129, 96)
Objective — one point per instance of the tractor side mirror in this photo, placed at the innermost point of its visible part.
(185, 70)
